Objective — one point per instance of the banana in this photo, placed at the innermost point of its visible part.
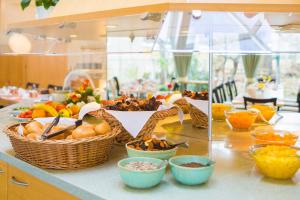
(46, 108)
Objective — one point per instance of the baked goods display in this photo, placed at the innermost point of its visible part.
(34, 130)
(196, 95)
(132, 104)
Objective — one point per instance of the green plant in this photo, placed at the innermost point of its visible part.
(45, 3)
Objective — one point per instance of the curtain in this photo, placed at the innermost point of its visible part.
(182, 66)
(250, 65)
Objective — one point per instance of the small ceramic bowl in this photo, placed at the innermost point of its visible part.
(164, 154)
(188, 175)
(142, 179)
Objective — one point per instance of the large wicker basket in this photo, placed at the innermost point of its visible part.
(183, 105)
(124, 137)
(62, 154)
(199, 118)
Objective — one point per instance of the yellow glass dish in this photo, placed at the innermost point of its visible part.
(279, 162)
(266, 111)
(218, 110)
(241, 119)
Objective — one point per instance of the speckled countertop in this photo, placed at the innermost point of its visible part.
(235, 176)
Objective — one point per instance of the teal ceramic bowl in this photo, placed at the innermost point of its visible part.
(188, 175)
(164, 155)
(142, 179)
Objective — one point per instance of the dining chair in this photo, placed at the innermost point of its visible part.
(256, 101)
(298, 100)
(219, 95)
(31, 85)
(55, 87)
(234, 88)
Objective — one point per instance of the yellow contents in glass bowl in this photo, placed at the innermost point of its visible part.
(241, 119)
(218, 110)
(266, 111)
(279, 162)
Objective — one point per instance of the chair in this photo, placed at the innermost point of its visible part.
(262, 101)
(219, 95)
(231, 89)
(55, 87)
(31, 85)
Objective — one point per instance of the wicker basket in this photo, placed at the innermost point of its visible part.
(62, 154)
(199, 118)
(124, 137)
(183, 104)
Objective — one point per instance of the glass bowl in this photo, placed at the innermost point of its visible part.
(266, 112)
(241, 119)
(275, 137)
(218, 110)
(276, 161)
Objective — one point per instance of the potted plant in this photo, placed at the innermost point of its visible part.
(43, 7)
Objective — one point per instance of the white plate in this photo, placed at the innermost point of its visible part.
(62, 120)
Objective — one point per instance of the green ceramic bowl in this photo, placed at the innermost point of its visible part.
(164, 155)
(188, 175)
(142, 179)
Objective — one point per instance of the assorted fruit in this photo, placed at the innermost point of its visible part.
(266, 112)
(218, 110)
(50, 109)
(275, 137)
(241, 120)
(279, 162)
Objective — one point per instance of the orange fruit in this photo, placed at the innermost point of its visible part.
(38, 114)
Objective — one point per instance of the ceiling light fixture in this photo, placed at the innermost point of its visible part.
(73, 36)
(111, 26)
(196, 14)
(19, 43)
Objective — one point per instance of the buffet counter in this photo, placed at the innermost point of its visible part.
(234, 177)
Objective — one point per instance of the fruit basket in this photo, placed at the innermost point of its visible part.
(124, 136)
(62, 154)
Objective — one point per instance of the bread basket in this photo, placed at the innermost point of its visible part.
(124, 137)
(62, 154)
(199, 118)
(183, 105)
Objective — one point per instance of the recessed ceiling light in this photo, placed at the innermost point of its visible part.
(73, 36)
(111, 26)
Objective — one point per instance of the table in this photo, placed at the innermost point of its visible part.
(234, 177)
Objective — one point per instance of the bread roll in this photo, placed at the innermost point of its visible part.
(102, 129)
(83, 132)
(69, 137)
(34, 127)
(33, 136)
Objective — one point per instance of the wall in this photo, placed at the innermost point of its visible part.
(18, 70)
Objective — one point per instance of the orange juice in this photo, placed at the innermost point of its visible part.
(218, 110)
(267, 111)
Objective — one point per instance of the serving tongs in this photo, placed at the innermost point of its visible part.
(48, 129)
(90, 107)
(263, 119)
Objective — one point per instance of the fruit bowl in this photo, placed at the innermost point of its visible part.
(266, 112)
(276, 161)
(218, 110)
(241, 119)
(275, 137)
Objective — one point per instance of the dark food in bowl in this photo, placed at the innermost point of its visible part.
(193, 165)
(151, 144)
(134, 104)
(196, 95)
